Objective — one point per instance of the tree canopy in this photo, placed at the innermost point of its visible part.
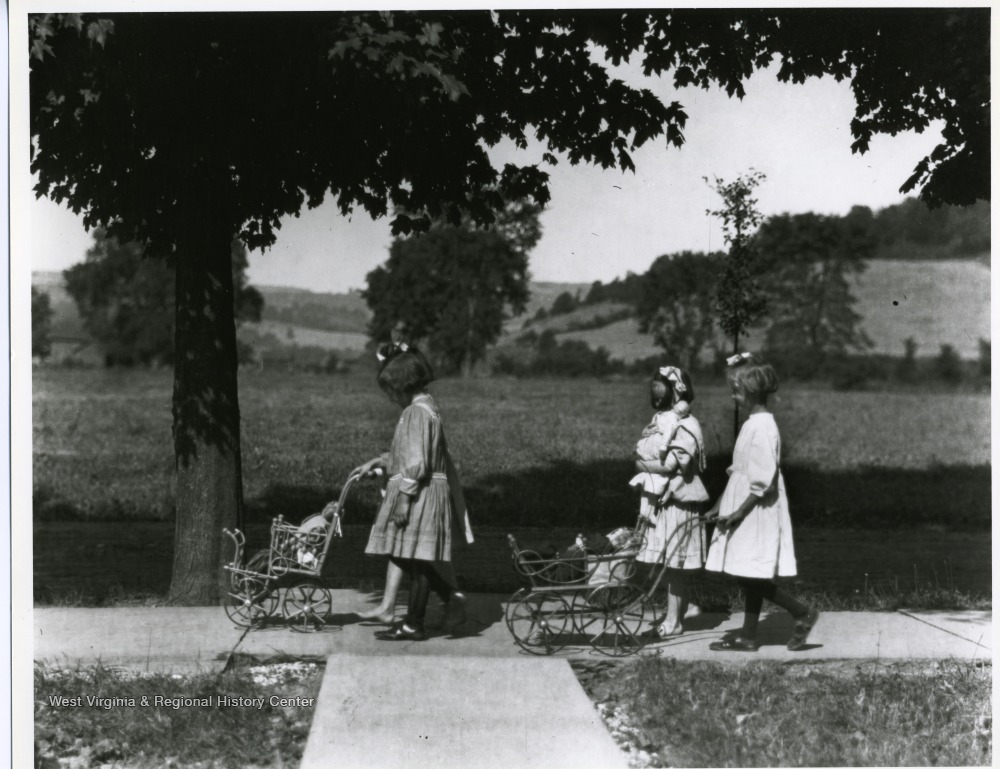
(676, 304)
(417, 98)
(454, 286)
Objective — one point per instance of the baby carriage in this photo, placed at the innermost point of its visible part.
(588, 594)
(286, 577)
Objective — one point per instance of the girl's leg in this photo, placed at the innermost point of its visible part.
(386, 610)
(753, 602)
(746, 639)
(675, 614)
(676, 603)
(444, 584)
(782, 598)
(804, 616)
(420, 590)
(443, 580)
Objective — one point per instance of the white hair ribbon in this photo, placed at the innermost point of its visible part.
(673, 374)
(735, 360)
(387, 351)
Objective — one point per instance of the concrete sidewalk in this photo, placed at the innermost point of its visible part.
(473, 698)
(203, 638)
(424, 712)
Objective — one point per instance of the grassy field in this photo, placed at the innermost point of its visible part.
(530, 452)
(543, 459)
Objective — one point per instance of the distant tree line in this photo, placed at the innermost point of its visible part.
(41, 324)
(126, 302)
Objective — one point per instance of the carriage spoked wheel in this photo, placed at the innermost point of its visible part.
(612, 617)
(541, 623)
(250, 601)
(307, 605)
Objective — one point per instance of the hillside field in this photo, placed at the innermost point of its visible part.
(934, 302)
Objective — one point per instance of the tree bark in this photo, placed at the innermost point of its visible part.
(206, 413)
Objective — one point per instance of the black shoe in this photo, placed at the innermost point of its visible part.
(802, 630)
(401, 633)
(736, 643)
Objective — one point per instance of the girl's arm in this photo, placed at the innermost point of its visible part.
(643, 466)
(733, 520)
(416, 464)
(401, 510)
(379, 461)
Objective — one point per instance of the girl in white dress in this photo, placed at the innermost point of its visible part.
(670, 457)
(753, 534)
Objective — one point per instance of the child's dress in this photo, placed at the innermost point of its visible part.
(419, 465)
(760, 546)
(676, 528)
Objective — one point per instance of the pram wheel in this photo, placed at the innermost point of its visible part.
(541, 623)
(611, 618)
(306, 606)
(250, 601)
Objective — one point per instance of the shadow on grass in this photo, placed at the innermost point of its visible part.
(940, 514)
(596, 495)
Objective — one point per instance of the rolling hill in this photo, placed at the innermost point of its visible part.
(934, 302)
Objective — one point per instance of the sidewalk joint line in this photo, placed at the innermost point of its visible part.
(944, 630)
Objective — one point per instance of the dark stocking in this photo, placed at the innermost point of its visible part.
(756, 591)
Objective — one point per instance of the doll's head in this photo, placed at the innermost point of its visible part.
(403, 372)
(668, 386)
(751, 376)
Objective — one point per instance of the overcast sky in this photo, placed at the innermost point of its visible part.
(602, 224)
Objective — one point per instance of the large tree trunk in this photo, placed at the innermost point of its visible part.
(206, 413)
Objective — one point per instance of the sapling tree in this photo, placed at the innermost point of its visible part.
(740, 300)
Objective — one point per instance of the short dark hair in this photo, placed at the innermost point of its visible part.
(404, 371)
(687, 395)
(753, 375)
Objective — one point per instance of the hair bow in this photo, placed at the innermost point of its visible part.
(735, 360)
(673, 375)
(387, 351)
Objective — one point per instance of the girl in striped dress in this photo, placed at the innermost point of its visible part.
(422, 512)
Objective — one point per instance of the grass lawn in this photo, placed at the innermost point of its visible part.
(112, 727)
(669, 713)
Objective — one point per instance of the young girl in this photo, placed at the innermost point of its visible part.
(665, 387)
(753, 535)
(421, 509)
(671, 454)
